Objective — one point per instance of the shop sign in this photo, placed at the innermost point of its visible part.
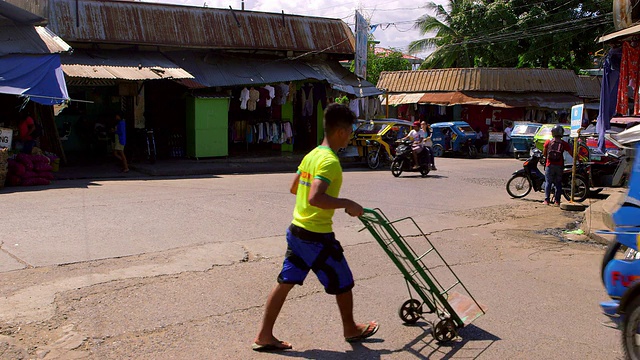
(6, 137)
(576, 119)
(495, 137)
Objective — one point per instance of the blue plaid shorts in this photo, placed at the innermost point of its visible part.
(321, 253)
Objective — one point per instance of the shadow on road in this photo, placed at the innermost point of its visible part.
(471, 343)
(94, 182)
(359, 351)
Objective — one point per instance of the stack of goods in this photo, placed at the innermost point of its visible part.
(4, 165)
(29, 170)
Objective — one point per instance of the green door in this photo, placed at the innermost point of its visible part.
(207, 127)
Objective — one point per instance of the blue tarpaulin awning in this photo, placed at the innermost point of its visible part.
(38, 77)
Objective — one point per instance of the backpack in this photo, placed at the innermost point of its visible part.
(555, 151)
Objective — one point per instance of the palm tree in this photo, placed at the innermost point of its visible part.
(448, 42)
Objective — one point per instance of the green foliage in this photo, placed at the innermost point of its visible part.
(512, 33)
(392, 61)
(342, 100)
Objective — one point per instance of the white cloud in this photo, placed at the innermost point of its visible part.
(396, 17)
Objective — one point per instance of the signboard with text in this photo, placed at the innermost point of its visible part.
(576, 119)
(6, 137)
(496, 137)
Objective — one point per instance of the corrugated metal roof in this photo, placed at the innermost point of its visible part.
(121, 65)
(479, 79)
(120, 22)
(342, 79)
(211, 71)
(402, 98)
(24, 11)
(588, 86)
(503, 100)
(228, 70)
(27, 39)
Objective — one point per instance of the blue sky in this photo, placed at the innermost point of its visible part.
(396, 17)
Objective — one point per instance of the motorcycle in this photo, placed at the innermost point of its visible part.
(403, 161)
(612, 170)
(530, 177)
(376, 154)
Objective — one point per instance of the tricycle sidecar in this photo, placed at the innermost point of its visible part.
(456, 137)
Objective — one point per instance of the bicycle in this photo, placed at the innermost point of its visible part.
(150, 152)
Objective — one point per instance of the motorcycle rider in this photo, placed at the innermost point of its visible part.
(427, 143)
(554, 153)
(416, 136)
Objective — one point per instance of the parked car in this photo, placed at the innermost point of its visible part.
(455, 137)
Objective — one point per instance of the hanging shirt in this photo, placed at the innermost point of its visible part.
(271, 92)
(264, 97)
(292, 91)
(629, 77)
(254, 96)
(284, 93)
(244, 97)
(307, 101)
(354, 106)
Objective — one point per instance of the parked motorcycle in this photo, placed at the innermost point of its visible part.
(376, 154)
(611, 170)
(403, 161)
(529, 177)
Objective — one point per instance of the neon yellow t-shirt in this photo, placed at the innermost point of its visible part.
(321, 163)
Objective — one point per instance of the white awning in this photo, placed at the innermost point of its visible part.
(631, 30)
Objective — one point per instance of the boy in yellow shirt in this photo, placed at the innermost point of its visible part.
(311, 242)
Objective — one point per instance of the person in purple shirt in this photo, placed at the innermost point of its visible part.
(120, 142)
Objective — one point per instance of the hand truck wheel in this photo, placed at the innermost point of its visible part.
(444, 330)
(410, 311)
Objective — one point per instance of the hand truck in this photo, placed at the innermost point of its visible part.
(454, 309)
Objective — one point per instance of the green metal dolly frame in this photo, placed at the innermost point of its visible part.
(416, 273)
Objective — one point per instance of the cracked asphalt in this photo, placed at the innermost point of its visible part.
(180, 269)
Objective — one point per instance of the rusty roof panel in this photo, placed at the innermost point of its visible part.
(27, 39)
(121, 65)
(479, 79)
(588, 86)
(121, 22)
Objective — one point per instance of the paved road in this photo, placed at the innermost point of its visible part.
(180, 268)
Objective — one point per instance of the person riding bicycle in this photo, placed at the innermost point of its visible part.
(554, 153)
(416, 135)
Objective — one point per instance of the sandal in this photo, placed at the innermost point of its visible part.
(368, 331)
(277, 346)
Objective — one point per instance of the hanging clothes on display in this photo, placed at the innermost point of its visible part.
(629, 77)
(354, 106)
(307, 100)
(271, 93)
(254, 96)
(282, 93)
(244, 97)
(608, 93)
(292, 92)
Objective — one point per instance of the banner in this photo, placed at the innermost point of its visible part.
(362, 39)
